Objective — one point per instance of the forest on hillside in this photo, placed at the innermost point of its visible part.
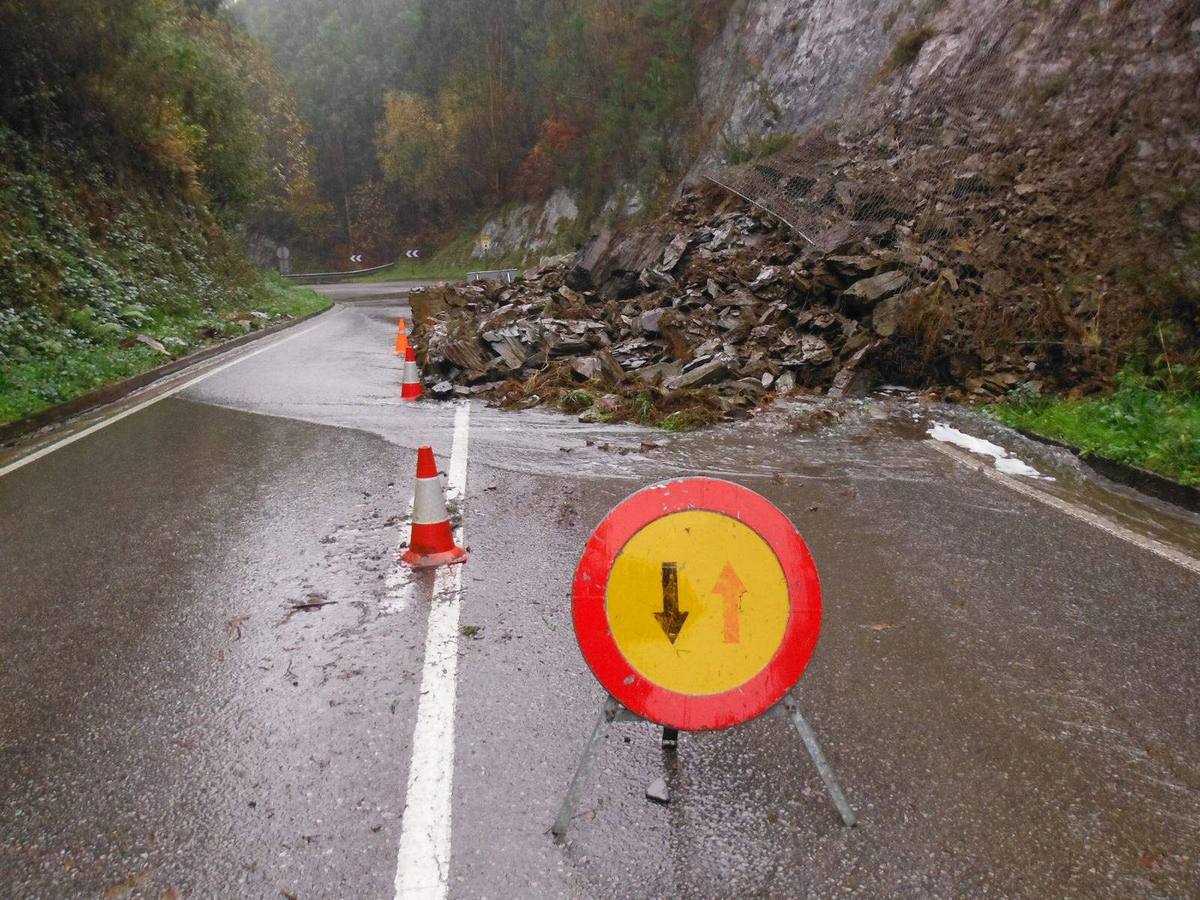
(423, 112)
(141, 143)
(173, 90)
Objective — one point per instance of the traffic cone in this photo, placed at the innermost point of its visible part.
(402, 338)
(412, 377)
(432, 541)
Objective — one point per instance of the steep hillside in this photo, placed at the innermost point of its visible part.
(136, 141)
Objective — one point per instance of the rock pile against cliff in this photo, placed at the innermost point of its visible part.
(707, 313)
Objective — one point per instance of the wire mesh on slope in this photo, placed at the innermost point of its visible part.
(933, 140)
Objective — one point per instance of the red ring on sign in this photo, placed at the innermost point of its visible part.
(685, 711)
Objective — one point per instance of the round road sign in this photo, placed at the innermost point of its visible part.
(697, 604)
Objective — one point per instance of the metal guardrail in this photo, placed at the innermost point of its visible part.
(505, 275)
(353, 274)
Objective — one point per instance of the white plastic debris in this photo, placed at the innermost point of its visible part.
(1004, 461)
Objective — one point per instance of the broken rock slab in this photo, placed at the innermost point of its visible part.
(870, 291)
(707, 373)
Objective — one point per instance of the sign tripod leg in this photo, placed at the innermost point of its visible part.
(613, 711)
(587, 762)
(814, 750)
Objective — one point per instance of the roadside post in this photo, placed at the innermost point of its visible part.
(697, 606)
(284, 255)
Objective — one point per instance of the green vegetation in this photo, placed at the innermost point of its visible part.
(421, 271)
(1151, 421)
(452, 262)
(137, 138)
(576, 401)
(631, 400)
(908, 48)
(737, 150)
(82, 361)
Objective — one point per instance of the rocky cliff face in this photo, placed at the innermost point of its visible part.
(787, 65)
(784, 65)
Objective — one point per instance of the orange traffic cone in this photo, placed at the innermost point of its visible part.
(412, 377)
(432, 541)
(402, 338)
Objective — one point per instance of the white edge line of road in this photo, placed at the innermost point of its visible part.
(423, 859)
(1158, 548)
(170, 392)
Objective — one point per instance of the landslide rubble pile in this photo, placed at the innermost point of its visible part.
(707, 313)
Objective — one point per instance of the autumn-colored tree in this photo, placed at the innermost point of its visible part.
(418, 152)
(469, 103)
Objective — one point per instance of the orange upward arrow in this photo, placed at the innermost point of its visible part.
(730, 586)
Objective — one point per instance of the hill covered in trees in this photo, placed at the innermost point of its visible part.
(139, 139)
(426, 112)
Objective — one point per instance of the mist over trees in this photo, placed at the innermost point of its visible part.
(171, 89)
(422, 112)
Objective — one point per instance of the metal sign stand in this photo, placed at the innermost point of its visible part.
(614, 712)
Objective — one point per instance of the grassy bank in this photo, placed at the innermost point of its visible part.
(106, 273)
(71, 363)
(1151, 421)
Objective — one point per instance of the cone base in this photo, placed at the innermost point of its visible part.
(416, 560)
(410, 392)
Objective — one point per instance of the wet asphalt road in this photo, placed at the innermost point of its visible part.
(1010, 696)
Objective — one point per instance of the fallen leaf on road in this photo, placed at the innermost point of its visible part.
(1151, 859)
(313, 604)
(235, 626)
(128, 886)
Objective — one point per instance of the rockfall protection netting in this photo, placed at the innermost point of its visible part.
(951, 118)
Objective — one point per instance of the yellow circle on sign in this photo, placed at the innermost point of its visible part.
(710, 582)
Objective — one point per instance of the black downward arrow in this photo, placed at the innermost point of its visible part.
(671, 619)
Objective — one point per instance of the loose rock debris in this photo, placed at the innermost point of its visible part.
(703, 316)
(657, 792)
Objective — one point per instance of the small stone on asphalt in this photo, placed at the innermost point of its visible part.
(657, 792)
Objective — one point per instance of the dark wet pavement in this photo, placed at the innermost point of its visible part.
(1009, 696)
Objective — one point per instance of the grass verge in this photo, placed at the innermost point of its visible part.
(1150, 421)
(72, 364)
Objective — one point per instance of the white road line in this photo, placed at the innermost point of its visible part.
(423, 862)
(1096, 520)
(137, 408)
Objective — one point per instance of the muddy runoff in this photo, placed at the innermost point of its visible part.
(708, 314)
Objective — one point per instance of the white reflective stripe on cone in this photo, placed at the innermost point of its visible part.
(429, 503)
(410, 373)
